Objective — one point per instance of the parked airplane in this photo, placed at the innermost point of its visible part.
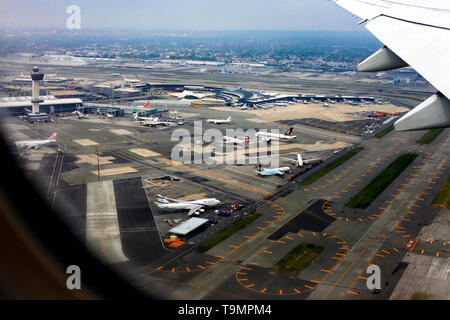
(132, 81)
(244, 141)
(150, 121)
(277, 136)
(417, 36)
(36, 143)
(219, 121)
(48, 78)
(80, 115)
(193, 206)
(299, 162)
(271, 172)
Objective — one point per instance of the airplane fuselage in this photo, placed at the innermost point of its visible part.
(33, 144)
(275, 171)
(276, 136)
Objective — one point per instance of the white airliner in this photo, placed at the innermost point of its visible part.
(132, 81)
(80, 115)
(36, 143)
(271, 172)
(193, 206)
(300, 162)
(244, 141)
(416, 33)
(150, 121)
(263, 135)
(219, 121)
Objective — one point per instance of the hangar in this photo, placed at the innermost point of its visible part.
(188, 226)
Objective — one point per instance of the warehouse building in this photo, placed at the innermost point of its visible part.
(188, 226)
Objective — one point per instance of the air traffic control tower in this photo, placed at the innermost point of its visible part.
(36, 76)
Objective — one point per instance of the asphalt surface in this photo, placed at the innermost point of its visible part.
(367, 232)
(140, 238)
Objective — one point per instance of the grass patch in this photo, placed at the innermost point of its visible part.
(297, 259)
(424, 296)
(442, 199)
(365, 197)
(331, 167)
(225, 233)
(429, 137)
(385, 132)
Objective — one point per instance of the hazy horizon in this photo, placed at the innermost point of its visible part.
(179, 16)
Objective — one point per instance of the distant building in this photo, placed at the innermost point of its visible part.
(126, 92)
(65, 94)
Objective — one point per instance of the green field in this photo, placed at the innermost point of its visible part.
(429, 137)
(331, 167)
(443, 197)
(385, 132)
(225, 233)
(365, 197)
(297, 259)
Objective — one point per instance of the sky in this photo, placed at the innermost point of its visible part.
(189, 15)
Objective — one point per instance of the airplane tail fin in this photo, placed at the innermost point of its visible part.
(147, 104)
(52, 137)
(289, 131)
(229, 119)
(161, 199)
(259, 167)
(247, 139)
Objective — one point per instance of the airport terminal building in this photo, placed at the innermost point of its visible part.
(17, 106)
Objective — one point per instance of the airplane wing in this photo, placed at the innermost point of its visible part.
(164, 199)
(194, 208)
(416, 33)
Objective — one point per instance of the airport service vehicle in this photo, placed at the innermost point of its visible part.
(194, 206)
(236, 207)
(219, 121)
(299, 162)
(244, 141)
(80, 115)
(410, 244)
(271, 172)
(417, 36)
(213, 221)
(263, 135)
(36, 143)
(224, 213)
